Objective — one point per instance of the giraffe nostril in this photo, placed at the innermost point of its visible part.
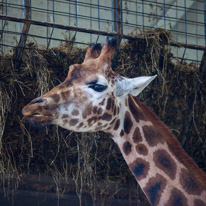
(35, 101)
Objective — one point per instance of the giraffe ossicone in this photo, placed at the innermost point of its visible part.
(95, 98)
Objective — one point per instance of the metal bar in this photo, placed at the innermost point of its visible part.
(175, 44)
(92, 31)
(148, 2)
(24, 34)
(135, 1)
(48, 19)
(51, 32)
(164, 11)
(202, 67)
(189, 46)
(50, 38)
(196, 28)
(185, 21)
(3, 23)
(143, 17)
(172, 19)
(76, 15)
(99, 27)
(179, 8)
(74, 37)
(114, 9)
(2, 31)
(39, 49)
(117, 16)
(205, 20)
(43, 37)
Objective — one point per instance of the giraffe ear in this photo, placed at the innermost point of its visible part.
(133, 86)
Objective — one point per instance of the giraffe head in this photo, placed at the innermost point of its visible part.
(90, 97)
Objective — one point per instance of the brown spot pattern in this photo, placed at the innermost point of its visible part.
(117, 123)
(199, 203)
(137, 114)
(94, 109)
(122, 133)
(75, 112)
(137, 135)
(109, 104)
(87, 111)
(99, 124)
(127, 123)
(64, 116)
(50, 107)
(139, 168)
(114, 110)
(65, 121)
(91, 120)
(55, 97)
(106, 117)
(62, 86)
(126, 102)
(113, 121)
(164, 161)
(141, 149)
(98, 128)
(102, 102)
(112, 103)
(152, 136)
(80, 125)
(100, 110)
(189, 183)
(73, 122)
(127, 147)
(75, 74)
(177, 198)
(154, 189)
(65, 95)
(105, 125)
(118, 110)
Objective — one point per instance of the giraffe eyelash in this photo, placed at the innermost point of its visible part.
(96, 87)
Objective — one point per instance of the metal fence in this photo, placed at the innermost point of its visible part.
(51, 22)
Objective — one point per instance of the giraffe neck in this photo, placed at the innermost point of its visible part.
(166, 174)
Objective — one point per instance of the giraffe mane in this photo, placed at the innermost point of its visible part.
(173, 143)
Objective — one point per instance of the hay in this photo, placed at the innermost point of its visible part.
(92, 161)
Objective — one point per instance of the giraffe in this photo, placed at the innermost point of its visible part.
(95, 98)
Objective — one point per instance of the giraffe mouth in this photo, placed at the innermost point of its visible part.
(39, 118)
(39, 115)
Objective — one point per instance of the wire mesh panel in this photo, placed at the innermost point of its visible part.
(185, 20)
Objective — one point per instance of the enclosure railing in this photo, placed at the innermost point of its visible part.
(83, 21)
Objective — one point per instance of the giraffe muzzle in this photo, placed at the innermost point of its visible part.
(36, 113)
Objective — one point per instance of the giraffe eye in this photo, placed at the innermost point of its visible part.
(96, 87)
